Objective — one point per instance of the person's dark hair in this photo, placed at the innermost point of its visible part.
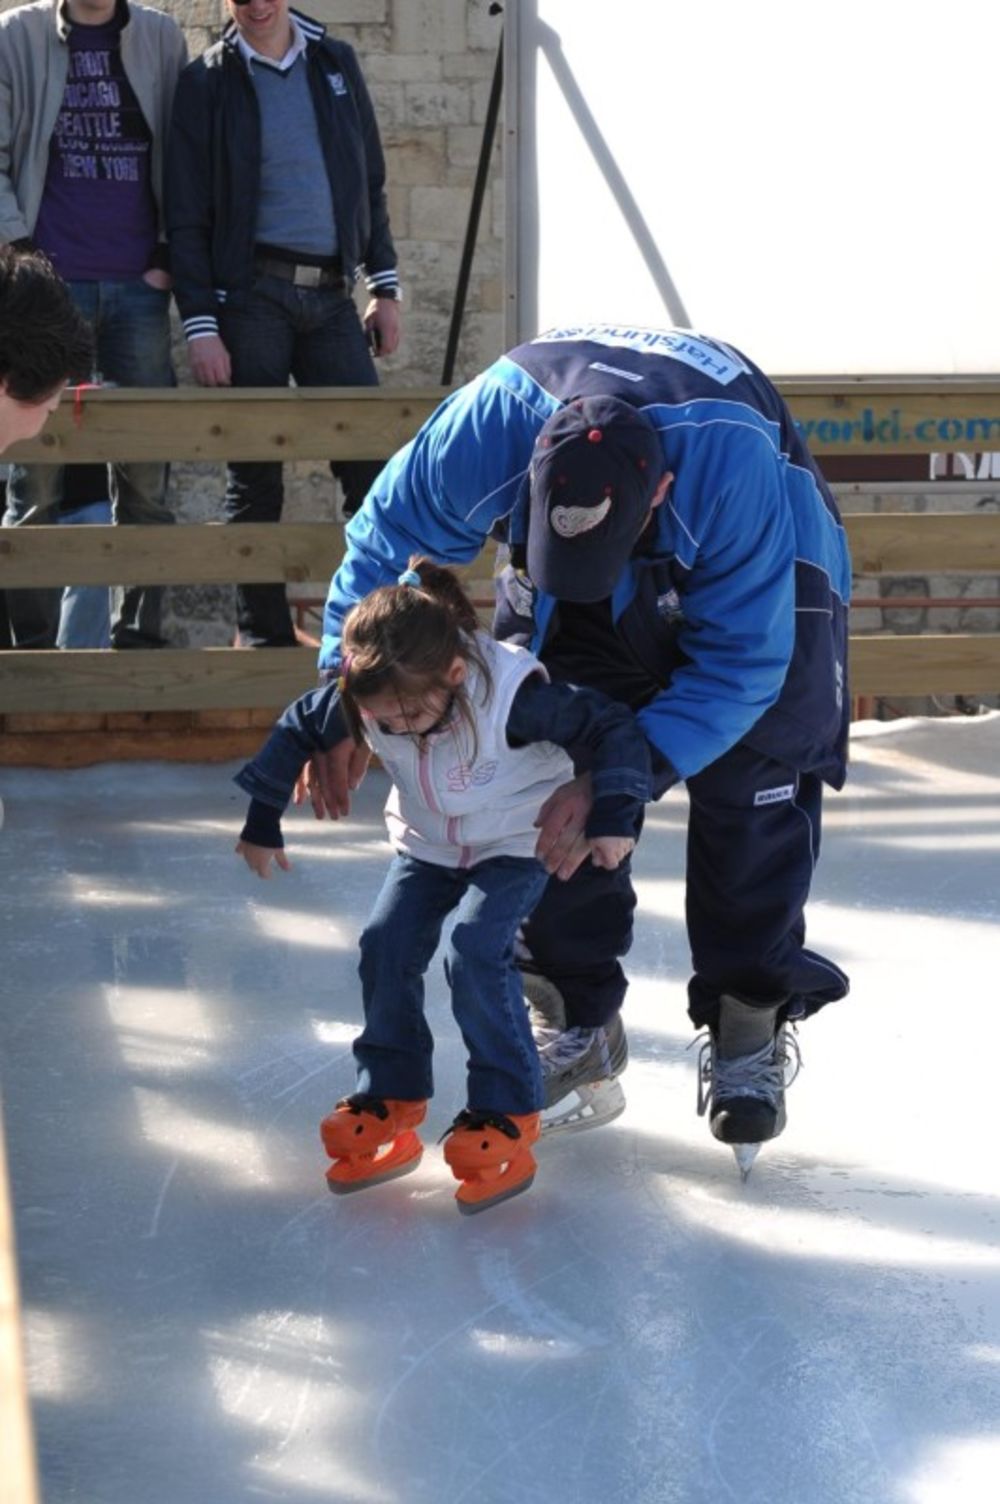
(405, 638)
(44, 339)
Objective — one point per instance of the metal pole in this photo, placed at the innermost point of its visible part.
(475, 210)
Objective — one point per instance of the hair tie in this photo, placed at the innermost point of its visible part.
(410, 577)
(345, 669)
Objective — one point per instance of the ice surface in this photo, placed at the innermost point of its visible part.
(207, 1325)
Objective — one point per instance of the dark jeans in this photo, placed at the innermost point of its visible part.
(394, 1050)
(132, 329)
(749, 869)
(313, 335)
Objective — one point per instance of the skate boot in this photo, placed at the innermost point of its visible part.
(490, 1153)
(546, 1009)
(371, 1139)
(579, 1066)
(744, 1066)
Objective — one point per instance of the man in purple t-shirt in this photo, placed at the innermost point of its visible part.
(86, 90)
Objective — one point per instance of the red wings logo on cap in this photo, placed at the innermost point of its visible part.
(569, 522)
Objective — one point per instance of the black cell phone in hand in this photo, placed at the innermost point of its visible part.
(374, 338)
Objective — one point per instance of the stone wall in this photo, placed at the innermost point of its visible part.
(429, 66)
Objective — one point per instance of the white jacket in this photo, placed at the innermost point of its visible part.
(456, 801)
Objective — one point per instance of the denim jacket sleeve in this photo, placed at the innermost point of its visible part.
(313, 723)
(600, 735)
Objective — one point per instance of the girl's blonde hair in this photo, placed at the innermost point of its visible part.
(405, 638)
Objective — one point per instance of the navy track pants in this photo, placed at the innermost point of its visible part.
(753, 841)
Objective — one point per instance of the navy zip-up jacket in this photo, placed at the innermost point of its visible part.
(734, 604)
(213, 173)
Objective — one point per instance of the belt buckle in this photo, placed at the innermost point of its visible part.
(308, 276)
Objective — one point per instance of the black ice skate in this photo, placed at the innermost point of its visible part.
(744, 1067)
(580, 1067)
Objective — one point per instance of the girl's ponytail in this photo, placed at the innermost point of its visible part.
(445, 586)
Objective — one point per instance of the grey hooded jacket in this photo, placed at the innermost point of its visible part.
(34, 62)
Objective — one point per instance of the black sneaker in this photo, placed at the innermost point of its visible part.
(127, 637)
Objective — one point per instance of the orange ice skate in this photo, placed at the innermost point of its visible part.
(371, 1139)
(490, 1153)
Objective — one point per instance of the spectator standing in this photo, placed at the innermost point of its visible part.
(86, 89)
(44, 342)
(275, 202)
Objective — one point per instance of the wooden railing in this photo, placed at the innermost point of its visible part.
(842, 417)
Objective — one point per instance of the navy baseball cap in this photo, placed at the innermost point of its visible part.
(594, 469)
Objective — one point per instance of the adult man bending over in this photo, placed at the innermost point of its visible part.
(674, 545)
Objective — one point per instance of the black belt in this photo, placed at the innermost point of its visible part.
(301, 274)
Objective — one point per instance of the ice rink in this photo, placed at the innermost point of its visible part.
(207, 1325)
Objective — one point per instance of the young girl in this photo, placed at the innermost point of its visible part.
(470, 732)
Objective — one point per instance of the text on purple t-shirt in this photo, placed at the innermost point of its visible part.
(97, 221)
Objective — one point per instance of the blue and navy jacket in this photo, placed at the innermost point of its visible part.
(736, 605)
(213, 173)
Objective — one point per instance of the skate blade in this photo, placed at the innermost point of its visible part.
(470, 1202)
(400, 1157)
(745, 1154)
(589, 1106)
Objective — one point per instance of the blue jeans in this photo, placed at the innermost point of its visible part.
(132, 330)
(274, 332)
(393, 1052)
(85, 611)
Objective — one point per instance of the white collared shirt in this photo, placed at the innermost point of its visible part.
(299, 43)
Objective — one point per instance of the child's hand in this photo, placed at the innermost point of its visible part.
(610, 851)
(259, 858)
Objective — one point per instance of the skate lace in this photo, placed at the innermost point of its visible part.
(544, 1036)
(564, 1047)
(473, 1119)
(362, 1102)
(765, 1074)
